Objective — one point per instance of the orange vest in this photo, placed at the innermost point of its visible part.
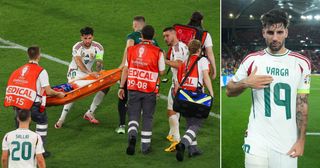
(193, 79)
(143, 68)
(21, 89)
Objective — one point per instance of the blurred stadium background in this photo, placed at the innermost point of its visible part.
(241, 35)
(54, 26)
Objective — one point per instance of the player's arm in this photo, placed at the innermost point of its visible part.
(173, 64)
(99, 65)
(207, 81)
(44, 83)
(252, 81)
(130, 42)
(40, 160)
(4, 158)
(302, 115)
(302, 119)
(212, 61)
(53, 93)
(80, 64)
(123, 80)
(161, 64)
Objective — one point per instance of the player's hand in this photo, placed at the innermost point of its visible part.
(94, 74)
(121, 66)
(121, 94)
(297, 149)
(257, 81)
(214, 75)
(61, 95)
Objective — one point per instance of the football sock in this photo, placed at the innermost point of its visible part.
(96, 101)
(174, 127)
(65, 111)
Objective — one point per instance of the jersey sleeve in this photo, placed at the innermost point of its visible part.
(208, 41)
(5, 144)
(304, 83)
(39, 145)
(178, 53)
(243, 70)
(44, 79)
(76, 50)
(203, 64)
(130, 36)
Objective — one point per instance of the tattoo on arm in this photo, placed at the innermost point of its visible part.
(99, 66)
(302, 114)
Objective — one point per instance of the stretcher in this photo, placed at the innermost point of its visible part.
(87, 86)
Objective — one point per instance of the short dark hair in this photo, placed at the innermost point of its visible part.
(147, 32)
(275, 16)
(139, 18)
(86, 31)
(168, 29)
(22, 115)
(195, 19)
(33, 52)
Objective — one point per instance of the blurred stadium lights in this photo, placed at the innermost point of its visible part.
(290, 16)
(251, 17)
(317, 17)
(231, 16)
(309, 17)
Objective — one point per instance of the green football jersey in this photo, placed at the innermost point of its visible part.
(137, 38)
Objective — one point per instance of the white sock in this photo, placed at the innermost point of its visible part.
(171, 123)
(174, 126)
(65, 111)
(96, 101)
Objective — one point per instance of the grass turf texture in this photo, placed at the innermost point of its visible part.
(235, 119)
(54, 26)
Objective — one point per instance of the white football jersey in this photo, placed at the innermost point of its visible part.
(272, 121)
(178, 52)
(88, 55)
(23, 145)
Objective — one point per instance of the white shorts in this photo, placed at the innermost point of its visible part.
(74, 74)
(170, 100)
(274, 159)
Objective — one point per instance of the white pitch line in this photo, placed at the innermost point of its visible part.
(52, 58)
(18, 46)
(11, 47)
(313, 133)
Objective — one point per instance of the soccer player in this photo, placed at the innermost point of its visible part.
(144, 63)
(27, 87)
(196, 20)
(84, 54)
(279, 80)
(177, 54)
(22, 148)
(198, 76)
(133, 38)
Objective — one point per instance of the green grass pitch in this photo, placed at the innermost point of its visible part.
(54, 26)
(235, 115)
